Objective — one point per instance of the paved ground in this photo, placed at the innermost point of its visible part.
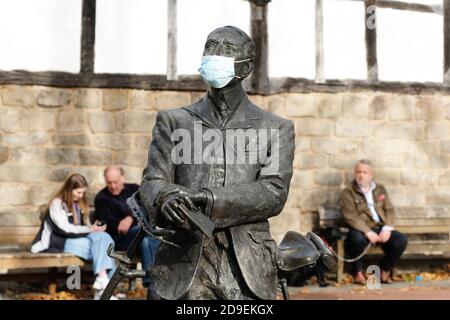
(431, 286)
(24, 291)
(422, 290)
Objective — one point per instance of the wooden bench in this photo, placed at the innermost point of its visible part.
(15, 254)
(429, 238)
(15, 243)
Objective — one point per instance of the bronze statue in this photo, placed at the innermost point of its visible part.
(239, 260)
(217, 170)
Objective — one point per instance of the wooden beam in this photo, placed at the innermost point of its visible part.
(21, 260)
(87, 55)
(302, 85)
(447, 42)
(320, 76)
(41, 275)
(371, 40)
(172, 40)
(195, 83)
(445, 229)
(102, 80)
(406, 6)
(258, 25)
(418, 7)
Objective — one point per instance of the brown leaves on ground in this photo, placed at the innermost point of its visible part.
(62, 295)
(138, 293)
(348, 279)
(424, 276)
(85, 293)
(407, 277)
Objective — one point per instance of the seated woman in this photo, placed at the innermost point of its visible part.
(66, 228)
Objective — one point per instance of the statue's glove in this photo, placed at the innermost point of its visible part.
(170, 210)
(198, 197)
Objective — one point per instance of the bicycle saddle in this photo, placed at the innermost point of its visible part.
(296, 251)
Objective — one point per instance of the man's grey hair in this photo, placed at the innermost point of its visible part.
(367, 162)
(120, 169)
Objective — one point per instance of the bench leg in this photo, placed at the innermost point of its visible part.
(340, 266)
(52, 280)
(132, 284)
(132, 281)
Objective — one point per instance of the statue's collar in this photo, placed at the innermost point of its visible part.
(232, 96)
(244, 117)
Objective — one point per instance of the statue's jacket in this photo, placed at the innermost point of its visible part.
(241, 196)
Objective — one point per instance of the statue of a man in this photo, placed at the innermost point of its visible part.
(235, 165)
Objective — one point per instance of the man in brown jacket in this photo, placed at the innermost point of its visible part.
(368, 211)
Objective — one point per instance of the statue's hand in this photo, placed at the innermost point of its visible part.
(197, 197)
(171, 212)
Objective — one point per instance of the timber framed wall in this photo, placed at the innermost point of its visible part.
(55, 123)
(260, 83)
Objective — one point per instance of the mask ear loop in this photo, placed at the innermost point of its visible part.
(239, 61)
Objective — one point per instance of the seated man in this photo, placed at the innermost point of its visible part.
(368, 211)
(111, 208)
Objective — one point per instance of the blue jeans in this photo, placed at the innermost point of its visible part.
(93, 247)
(147, 248)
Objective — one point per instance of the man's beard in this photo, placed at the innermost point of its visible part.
(363, 184)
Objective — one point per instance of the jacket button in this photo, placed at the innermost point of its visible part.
(203, 185)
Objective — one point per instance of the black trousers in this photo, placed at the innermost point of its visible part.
(356, 242)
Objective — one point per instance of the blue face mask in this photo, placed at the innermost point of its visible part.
(218, 71)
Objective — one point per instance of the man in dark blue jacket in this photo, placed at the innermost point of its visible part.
(111, 208)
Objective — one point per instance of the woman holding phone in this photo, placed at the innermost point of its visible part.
(66, 228)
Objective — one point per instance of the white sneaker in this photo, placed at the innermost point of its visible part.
(100, 283)
(98, 294)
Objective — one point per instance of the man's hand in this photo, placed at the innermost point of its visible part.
(96, 228)
(385, 235)
(124, 225)
(373, 237)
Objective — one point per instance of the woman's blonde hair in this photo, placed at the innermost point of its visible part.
(73, 182)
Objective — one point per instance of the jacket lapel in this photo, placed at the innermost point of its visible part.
(378, 206)
(360, 198)
(375, 194)
(243, 117)
(203, 111)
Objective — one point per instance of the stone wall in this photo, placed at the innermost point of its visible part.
(47, 133)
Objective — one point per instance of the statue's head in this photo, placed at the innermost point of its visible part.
(227, 57)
